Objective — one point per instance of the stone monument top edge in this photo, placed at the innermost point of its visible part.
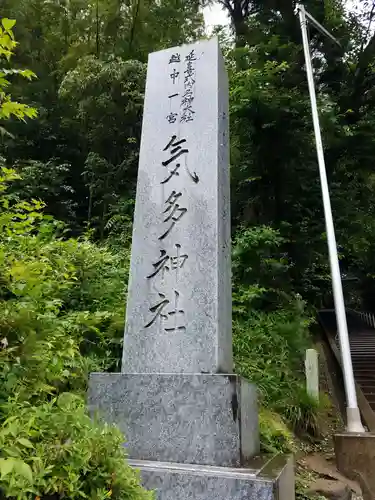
(213, 41)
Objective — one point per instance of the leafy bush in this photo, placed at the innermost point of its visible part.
(8, 107)
(271, 333)
(275, 437)
(269, 350)
(62, 304)
(61, 317)
(259, 269)
(54, 450)
(302, 413)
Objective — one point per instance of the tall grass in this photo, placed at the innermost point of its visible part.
(269, 350)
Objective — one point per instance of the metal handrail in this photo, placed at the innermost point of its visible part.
(366, 317)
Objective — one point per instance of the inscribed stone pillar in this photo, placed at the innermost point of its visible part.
(177, 398)
(190, 423)
(178, 316)
(312, 373)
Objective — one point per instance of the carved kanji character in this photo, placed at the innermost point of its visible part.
(174, 211)
(175, 58)
(174, 75)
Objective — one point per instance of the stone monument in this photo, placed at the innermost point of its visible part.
(191, 425)
(312, 373)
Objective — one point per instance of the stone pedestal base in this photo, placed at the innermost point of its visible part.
(355, 457)
(208, 419)
(271, 480)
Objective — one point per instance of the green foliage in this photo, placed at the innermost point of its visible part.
(61, 305)
(269, 349)
(259, 268)
(7, 42)
(275, 437)
(90, 61)
(303, 413)
(271, 334)
(61, 317)
(49, 181)
(253, 254)
(259, 338)
(271, 327)
(8, 107)
(60, 299)
(55, 450)
(105, 99)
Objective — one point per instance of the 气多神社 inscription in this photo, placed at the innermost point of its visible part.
(176, 298)
(167, 311)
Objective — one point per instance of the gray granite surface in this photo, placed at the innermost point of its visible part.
(187, 482)
(178, 315)
(185, 420)
(199, 419)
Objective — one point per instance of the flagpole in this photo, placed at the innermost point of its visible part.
(354, 423)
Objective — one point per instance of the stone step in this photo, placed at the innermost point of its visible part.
(268, 479)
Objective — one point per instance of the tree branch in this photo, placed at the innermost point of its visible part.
(227, 5)
(246, 7)
(369, 25)
(133, 26)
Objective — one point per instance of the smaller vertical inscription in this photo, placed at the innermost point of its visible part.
(172, 116)
(187, 111)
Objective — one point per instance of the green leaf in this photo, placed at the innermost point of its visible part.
(25, 442)
(8, 23)
(6, 466)
(27, 73)
(23, 469)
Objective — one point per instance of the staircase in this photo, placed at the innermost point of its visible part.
(362, 345)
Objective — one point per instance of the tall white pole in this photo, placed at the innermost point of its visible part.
(354, 423)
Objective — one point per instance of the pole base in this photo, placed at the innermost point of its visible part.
(355, 458)
(353, 420)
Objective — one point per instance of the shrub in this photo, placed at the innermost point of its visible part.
(271, 328)
(275, 437)
(56, 297)
(54, 450)
(259, 270)
(62, 304)
(302, 412)
(269, 350)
